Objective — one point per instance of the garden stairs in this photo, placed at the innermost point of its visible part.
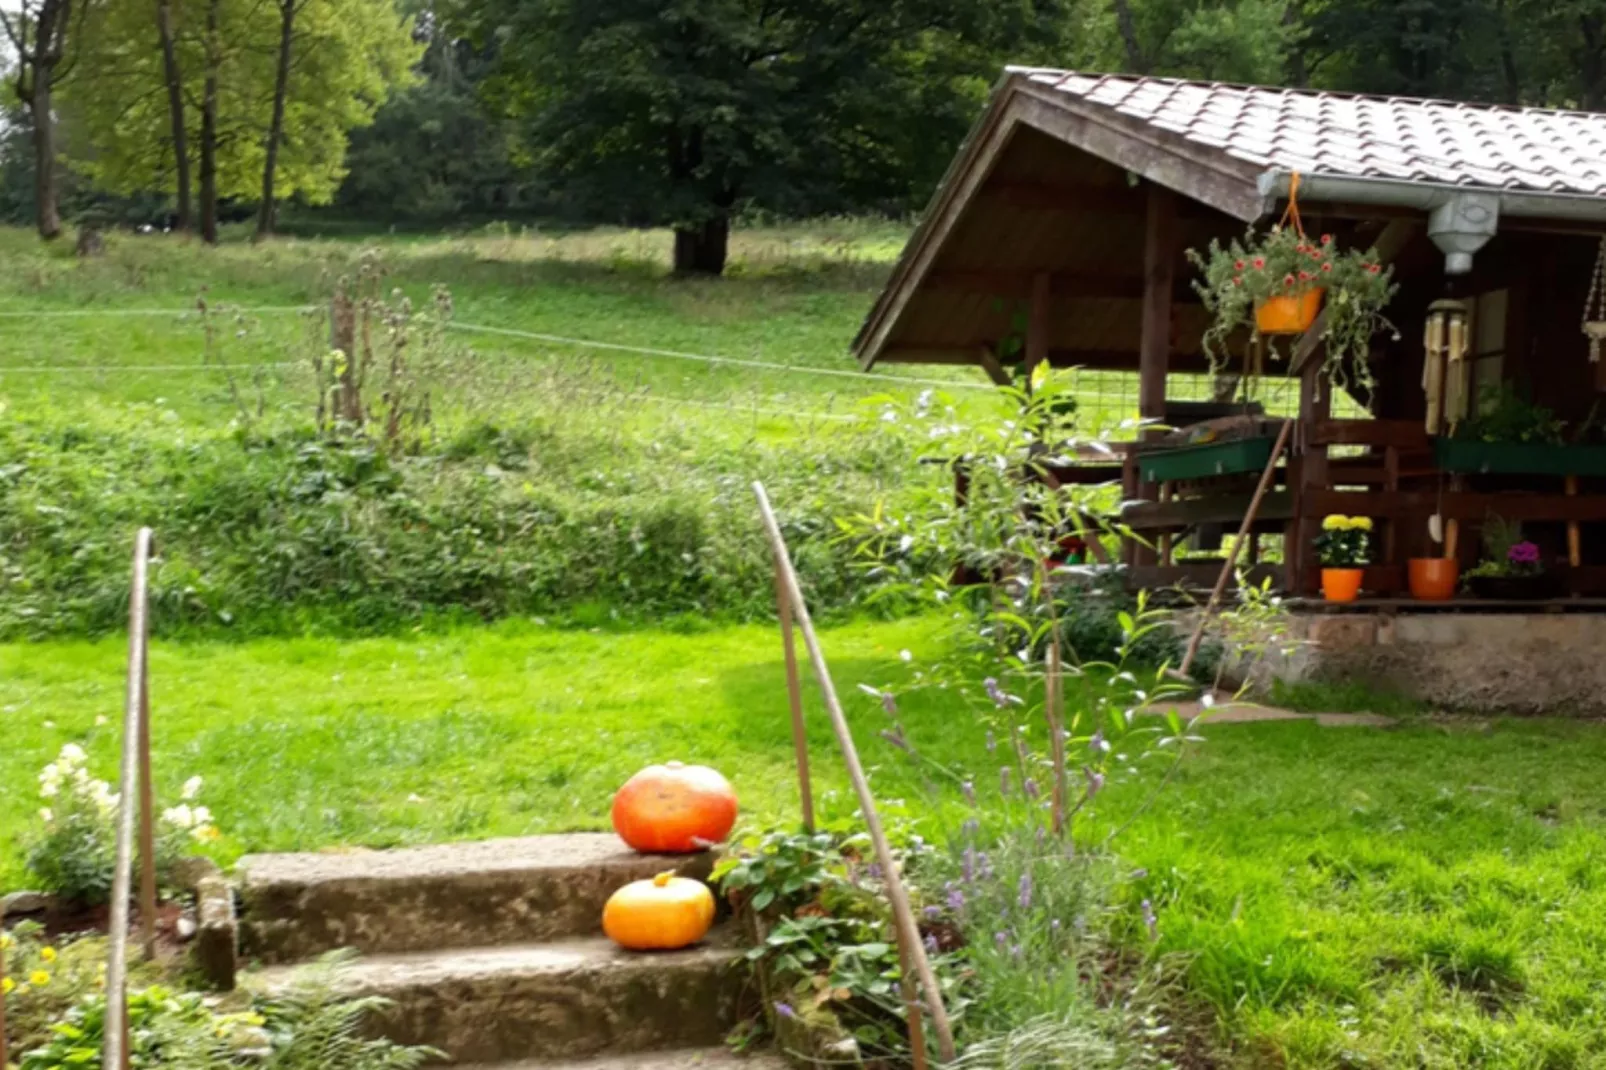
(492, 952)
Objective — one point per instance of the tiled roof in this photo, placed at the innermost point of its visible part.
(1314, 133)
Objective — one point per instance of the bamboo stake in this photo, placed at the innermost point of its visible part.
(135, 703)
(917, 1027)
(1054, 709)
(903, 915)
(147, 799)
(1237, 547)
(4, 1059)
(794, 693)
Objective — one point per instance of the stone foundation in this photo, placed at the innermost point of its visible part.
(1515, 663)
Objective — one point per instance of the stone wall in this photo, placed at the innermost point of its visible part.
(1518, 663)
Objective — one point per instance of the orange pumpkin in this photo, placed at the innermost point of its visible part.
(662, 914)
(674, 809)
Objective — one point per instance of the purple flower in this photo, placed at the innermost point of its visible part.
(1150, 920)
(784, 1010)
(1030, 788)
(956, 900)
(894, 735)
(1098, 744)
(969, 790)
(873, 871)
(1003, 781)
(986, 866)
(994, 692)
(992, 742)
(970, 828)
(1001, 939)
(968, 864)
(933, 911)
(1023, 895)
(889, 704)
(1523, 553)
(1015, 951)
(931, 944)
(1095, 782)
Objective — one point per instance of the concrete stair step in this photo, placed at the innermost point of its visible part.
(294, 907)
(567, 1000)
(685, 1059)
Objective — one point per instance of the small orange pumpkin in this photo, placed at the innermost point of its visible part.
(662, 914)
(674, 809)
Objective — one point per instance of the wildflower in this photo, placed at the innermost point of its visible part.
(47, 954)
(1001, 939)
(784, 1010)
(1098, 744)
(889, 704)
(906, 656)
(192, 788)
(931, 944)
(992, 742)
(932, 911)
(1095, 782)
(970, 828)
(968, 864)
(986, 866)
(894, 735)
(1054, 925)
(1023, 893)
(1150, 920)
(956, 900)
(1003, 781)
(46, 815)
(968, 789)
(994, 692)
(1030, 788)
(72, 753)
(39, 978)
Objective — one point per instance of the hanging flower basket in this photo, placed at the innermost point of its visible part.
(1289, 315)
(1272, 285)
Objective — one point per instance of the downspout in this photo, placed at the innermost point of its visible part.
(1461, 220)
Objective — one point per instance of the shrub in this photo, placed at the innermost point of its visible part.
(44, 979)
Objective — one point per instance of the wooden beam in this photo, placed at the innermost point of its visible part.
(1159, 279)
(1063, 197)
(1070, 285)
(989, 364)
(1093, 359)
(1390, 243)
(1037, 324)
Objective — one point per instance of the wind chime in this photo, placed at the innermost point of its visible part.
(1446, 373)
(1594, 325)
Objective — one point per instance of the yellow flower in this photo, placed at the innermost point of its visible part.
(1361, 523)
(39, 978)
(1336, 523)
(7, 986)
(48, 954)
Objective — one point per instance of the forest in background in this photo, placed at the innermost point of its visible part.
(687, 114)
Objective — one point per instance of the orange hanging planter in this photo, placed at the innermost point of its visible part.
(1289, 315)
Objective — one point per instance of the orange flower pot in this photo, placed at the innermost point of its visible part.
(1433, 579)
(1289, 315)
(1341, 584)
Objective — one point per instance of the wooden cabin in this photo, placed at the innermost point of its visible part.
(1075, 197)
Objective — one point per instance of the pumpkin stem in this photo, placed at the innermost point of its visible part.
(663, 879)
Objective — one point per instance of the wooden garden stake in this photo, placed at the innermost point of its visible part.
(1237, 548)
(794, 693)
(911, 1000)
(1054, 710)
(897, 895)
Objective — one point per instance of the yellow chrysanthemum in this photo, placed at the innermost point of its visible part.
(48, 954)
(1336, 523)
(1361, 523)
(39, 978)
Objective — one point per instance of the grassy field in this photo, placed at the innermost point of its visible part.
(1423, 896)
(1427, 896)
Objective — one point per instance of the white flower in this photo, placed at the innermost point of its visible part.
(906, 655)
(101, 722)
(73, 754)
(192, 788)
(179, 816)
(46, 816)
(202, 815)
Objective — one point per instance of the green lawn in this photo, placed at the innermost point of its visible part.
(1429, 895)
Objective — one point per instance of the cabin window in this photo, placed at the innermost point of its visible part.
(1488, 340)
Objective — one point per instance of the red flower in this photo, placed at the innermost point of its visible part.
(1288, 280)
(1301, 248)
(1327, 239)
(1327, 267)
(1305, 276)
(1373, 268)
(1238, 281)
(1260, 261)
(1239, 266)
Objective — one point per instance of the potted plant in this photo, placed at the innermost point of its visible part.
(1434, 579)
(1275, 284)
(1512, 567)
(1343, 547)
(1514, 436)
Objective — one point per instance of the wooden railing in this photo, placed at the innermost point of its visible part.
(135, 791)
(911, 950)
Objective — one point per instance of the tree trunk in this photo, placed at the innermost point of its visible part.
(700, 248)
(175, 109)
(1128, 26)
(209, 130)
(47, 212)
(281, 86)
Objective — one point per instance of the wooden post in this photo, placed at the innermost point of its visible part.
(1037, 325)
(897, 895)
(794, 694)
(1054, 710)
(1299, 555)
(147, 806)
(1159, 279)
(911, 1001)
(1575, 556)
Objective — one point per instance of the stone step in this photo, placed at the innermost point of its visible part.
(573, 999)
(295, 907)
(686, 1059)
